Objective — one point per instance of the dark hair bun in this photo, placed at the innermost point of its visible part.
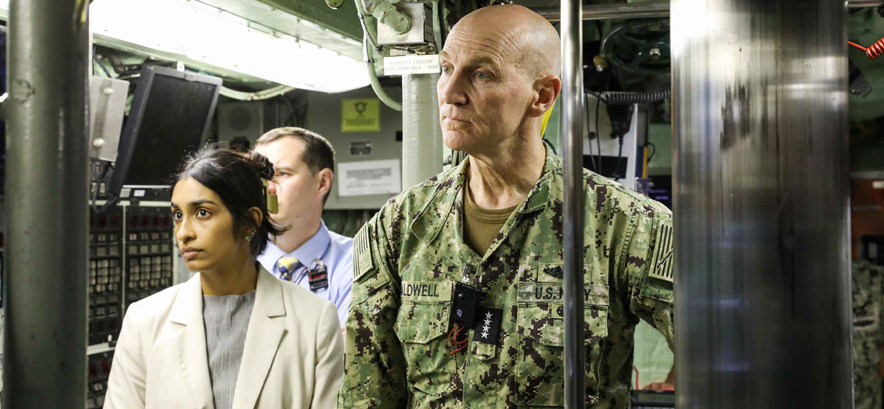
(265, 167)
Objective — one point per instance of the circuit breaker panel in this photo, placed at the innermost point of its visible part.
(131, 256)
(148, 252)
(105, 276)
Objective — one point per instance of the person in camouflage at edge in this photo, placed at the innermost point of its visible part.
(868, 338)
(500, 70)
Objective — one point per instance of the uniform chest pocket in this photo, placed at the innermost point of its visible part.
(540, 368)
(422, 328)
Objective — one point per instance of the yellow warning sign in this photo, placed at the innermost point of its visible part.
(360, 115)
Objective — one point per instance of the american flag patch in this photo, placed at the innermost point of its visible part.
(362, 248)
(661, 263)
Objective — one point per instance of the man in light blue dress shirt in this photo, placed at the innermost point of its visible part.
(304, 163)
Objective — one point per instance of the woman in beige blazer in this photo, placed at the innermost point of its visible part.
(271, 344)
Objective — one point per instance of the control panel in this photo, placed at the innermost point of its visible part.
(105, 276)
(149, 252)
(99, 370)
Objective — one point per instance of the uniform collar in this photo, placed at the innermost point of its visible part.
(446, 196)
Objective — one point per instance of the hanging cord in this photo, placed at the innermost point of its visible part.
(874, 50)
(452, 339)
(619, 159)
(636, 376)
(102, 66)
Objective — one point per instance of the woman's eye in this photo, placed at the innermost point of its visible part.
(202, 213)
(176, 216)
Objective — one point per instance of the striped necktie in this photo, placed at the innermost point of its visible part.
(287, 267)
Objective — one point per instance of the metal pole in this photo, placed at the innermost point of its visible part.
(573, 206)
(649, 10)
(47, 184)
(761, 204)
(421, 131)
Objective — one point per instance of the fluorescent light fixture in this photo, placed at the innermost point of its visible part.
(211, 36)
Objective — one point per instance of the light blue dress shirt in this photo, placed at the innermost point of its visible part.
(335, 251)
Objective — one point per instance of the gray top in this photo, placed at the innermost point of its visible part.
(226, 318)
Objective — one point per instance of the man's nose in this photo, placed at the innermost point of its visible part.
(451, 89)
(271, 188)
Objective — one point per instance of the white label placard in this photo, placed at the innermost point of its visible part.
(372, 177)
(412, 64)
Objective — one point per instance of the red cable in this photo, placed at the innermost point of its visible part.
(874, 51)
(636, 377)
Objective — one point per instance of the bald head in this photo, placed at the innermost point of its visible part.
(532, 41)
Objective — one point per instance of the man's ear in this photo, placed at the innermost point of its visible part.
(547, 90)
(325, 177)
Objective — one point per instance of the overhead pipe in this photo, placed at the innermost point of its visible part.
(573, 206)
(650, 10)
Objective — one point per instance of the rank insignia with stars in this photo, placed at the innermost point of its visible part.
(487, 326)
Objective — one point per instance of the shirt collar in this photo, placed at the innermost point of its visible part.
(311, 250)
(314, 248)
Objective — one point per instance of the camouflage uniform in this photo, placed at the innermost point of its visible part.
(867, 334)
(408, 258)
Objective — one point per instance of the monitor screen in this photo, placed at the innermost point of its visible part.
(171, 112)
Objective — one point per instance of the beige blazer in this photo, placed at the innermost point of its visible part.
(293, 355)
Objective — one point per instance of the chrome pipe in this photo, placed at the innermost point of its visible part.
(47, 186)
(650, 10)
(572, 155)
(760, 143)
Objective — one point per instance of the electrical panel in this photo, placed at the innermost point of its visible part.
(131, 255)
(99, 371)
(105, 276)
(149, 252)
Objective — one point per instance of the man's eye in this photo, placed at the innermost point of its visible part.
(446, 69)
(482, 76)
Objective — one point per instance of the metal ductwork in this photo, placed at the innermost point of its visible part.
(761, 204)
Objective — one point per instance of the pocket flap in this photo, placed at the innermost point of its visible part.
(422, 322)
(545, 323)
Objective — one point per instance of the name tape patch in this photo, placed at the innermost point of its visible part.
(426, 290)
(593, 294)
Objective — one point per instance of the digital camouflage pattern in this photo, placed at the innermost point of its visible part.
(868, 337)
(408, 258)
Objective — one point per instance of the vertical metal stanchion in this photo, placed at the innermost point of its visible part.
(572, 154)
(47, 187)
(760, 144)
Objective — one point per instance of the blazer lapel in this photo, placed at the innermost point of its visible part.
(190, 343)
(265, 332)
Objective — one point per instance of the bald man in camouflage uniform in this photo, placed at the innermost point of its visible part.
(415, 259)
(868, 333)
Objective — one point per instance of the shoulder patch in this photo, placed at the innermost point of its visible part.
(661, 262)
(362, 251)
